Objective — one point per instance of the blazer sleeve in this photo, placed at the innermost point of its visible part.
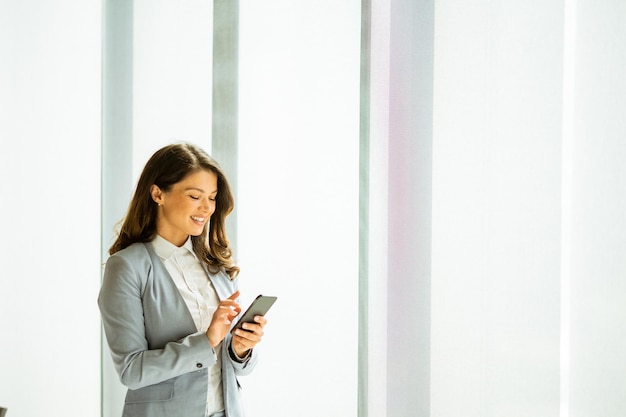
(240, 368)
(121, 308)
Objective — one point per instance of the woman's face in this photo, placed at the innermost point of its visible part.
(186, 208)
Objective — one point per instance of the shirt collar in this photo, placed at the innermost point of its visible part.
(165, 249)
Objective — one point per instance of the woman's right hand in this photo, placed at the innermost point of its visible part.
(223, 317)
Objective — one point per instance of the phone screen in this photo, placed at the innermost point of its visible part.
(259, 307)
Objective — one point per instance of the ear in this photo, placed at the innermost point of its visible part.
(156, 194)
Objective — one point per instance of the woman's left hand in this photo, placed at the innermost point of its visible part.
(248, 337)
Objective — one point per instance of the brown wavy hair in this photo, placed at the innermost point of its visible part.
(168, 166)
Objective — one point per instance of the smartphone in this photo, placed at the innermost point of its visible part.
(259, 307)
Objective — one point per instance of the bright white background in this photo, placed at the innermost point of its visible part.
(172, 67)
(529, 191)
(528, 195)
(497, 209)
(50, 207)
(298, 200)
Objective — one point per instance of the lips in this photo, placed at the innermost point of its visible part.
(199, 220)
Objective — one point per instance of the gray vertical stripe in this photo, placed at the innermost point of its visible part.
(364, 154)
(225, 94)
(116, 142)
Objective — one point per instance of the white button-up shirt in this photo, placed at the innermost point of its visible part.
(201, 300)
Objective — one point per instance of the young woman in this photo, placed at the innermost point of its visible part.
(169, 293)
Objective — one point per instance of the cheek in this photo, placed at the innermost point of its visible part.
(183, 208)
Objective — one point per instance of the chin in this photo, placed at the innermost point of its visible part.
(196, 232)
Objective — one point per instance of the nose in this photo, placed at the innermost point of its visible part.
(208, 205)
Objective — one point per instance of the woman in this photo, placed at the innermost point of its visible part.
(169, 293)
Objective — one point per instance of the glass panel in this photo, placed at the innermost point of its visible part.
(598, 244)
(49, 176)
(298, 201)
(172, 66)
(497, 210)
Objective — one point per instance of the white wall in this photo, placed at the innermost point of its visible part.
(525, 291)
(172, 67)
(524, 308)
(496, 209)
(298, 201)
(598, 203)
(50, 223)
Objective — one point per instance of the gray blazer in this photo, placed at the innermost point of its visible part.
(157, 351)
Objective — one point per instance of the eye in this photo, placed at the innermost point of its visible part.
(195, 197)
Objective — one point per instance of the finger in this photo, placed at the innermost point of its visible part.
(229, 306)
(227, 310)
(242, 345)
(260, 320)
(234, 295)
(250, 328)
(247, 339)
(225, 314)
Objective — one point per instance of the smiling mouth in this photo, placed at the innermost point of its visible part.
(198, 219)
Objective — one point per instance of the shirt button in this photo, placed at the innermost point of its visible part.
(198, 365)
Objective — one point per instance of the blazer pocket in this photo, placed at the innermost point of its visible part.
(163, 391)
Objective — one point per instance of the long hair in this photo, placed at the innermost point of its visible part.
(168, 166)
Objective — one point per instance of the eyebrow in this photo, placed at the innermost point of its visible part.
(198, 189)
